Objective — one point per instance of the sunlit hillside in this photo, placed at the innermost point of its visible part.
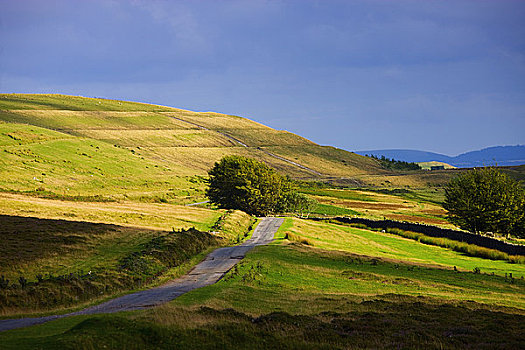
(75, 147)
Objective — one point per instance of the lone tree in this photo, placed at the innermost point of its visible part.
(242, 183)
(485, 199)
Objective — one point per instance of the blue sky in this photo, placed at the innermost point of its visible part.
(442, 76)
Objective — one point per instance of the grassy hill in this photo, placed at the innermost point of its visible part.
(122, 149)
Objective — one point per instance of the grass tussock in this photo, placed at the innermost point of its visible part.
(292, 237)
(234, 225)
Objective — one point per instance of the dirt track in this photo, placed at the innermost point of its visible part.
(205, 273)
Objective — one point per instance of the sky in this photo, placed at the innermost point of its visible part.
(441, 76)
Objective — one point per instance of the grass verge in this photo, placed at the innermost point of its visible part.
(109, 268)
(49, 264)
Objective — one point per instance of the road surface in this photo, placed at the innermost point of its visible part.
(193, 204)
(204, 274)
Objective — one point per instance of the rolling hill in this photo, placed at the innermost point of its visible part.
(71, 147)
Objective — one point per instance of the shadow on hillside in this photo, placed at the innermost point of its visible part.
(28, 238)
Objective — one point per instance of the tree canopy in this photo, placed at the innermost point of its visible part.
(243, 183)
(485, 199)
(395, 164)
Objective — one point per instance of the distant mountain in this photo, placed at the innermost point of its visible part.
(500, 155)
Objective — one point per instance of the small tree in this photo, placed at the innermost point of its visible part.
(484, 200)
(242, 183)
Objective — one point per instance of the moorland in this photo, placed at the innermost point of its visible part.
(94, 198)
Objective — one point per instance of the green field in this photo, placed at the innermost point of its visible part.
(420, 206)
(336, 237)
(295, 296)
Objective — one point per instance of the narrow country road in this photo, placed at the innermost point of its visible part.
(204, 274)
